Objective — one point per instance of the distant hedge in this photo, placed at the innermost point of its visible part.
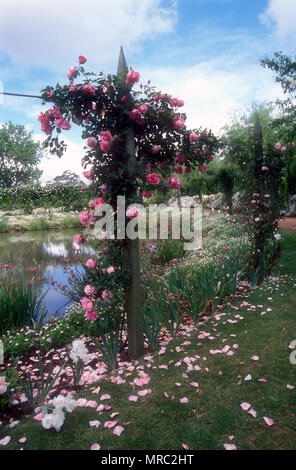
(67, 196)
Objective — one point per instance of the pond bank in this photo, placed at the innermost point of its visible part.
(40, 219)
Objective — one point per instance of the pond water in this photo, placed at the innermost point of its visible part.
(45, 250)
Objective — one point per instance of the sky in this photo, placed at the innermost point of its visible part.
(206, 52)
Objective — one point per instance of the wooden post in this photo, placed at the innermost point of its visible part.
(133, 290)
(259, 187)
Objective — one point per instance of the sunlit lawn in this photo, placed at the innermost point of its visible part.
(213, 412)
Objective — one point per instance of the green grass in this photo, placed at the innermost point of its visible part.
(213, 412)
(71, 221)
(38, 224)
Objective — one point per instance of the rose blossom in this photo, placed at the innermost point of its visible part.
(193, 137)
(105, 147)
(87, 304)
(135, 114)
(152, 178)
(54, 113)
(143, 108)
(84, 217)
(72, 72)
(132, 77)
(178, 122)
(92, 142)
(146, 194)
(89, 175)
(90, 263)
(174, 182)
(106, 135)
(92, 316)
(63, 124)
(155, 148)
(110, 270)
(88, 89)
(132, 212)
(89, 290)
(106, 294)
(82, 59)
(277, 146)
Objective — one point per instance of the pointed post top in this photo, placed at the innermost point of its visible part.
(122, 67)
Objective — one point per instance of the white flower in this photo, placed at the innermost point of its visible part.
(79, 351)
(67, 402)
(54, 420)
(277, 236)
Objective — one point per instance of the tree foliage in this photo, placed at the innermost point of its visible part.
(19, 156)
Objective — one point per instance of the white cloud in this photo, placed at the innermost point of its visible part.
(281, 14)
(211, 94)
(54, 34)
(54, 166)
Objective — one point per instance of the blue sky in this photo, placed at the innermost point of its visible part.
(206, 52)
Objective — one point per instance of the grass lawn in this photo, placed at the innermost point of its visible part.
(159, 421)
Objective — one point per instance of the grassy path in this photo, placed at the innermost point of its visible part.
(252, 337)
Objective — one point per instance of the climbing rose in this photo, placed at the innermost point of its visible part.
(106, 135)
(106, 294)
(87, 304)
(277, 146)
(132, 77)
(72, 72)
(143, 108)
(146, 194)
(105, 147)
(82, 59)
(178, 122)
(84, 217)
(89, 290)
(88, 89)
(135, 114)
(153, 178)
(89, 175)
(90, 263)
(63, 124)
(132, 212)
(110, 270)
(176, 103)
(92, 142)
(193, 137)
(92, 316)
(54, 113)
(155, 148)
(174, 182)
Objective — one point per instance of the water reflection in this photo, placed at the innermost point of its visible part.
(47, 251)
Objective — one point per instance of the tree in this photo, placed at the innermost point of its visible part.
(19, 156)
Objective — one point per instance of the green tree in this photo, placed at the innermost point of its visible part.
(19, 156)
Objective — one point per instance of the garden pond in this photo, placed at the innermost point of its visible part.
(49, 251)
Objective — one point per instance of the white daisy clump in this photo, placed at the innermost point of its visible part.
(3, 385)
(79, 351)
(57, 417)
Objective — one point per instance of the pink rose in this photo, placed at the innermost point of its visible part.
(87, 304)
(202, 168)
(143, 108)
(132, 77)
(180, 159)
(92, 142)
(96, 202)
(135, 114)
(90, 263)
(54, 113)
(92, 316)
(82, 59)
(105, 147)
(193, 137)
(89, 175)
(73, 87)
(152, 178)
(89, 290)
(78, 239)
(72, 72)
(174, 182)
(277, 146)
(155, 148)
(187, 170)
(147, 194)
(84, 217)
(176, 103)
(63, 124)
(88, 89)
(178, 122)
(132, 212)
(106, 294)
(178, 170)
(110, 270)
(106, 135)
